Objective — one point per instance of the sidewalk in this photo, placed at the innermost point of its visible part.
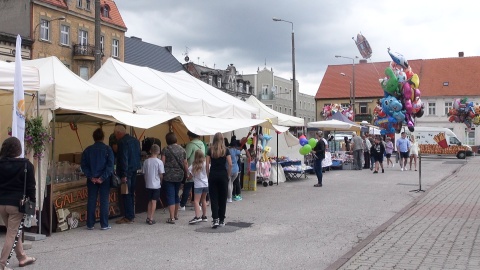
(439, 230)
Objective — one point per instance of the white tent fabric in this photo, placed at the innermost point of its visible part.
(65, 90)
(331, 125)
(7, 73)
(177, 93)
(277, 118)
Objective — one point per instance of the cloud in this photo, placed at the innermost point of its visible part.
(219, 33)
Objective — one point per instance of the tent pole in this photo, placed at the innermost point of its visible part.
(278, 163)
(52, 182)
(39, 172)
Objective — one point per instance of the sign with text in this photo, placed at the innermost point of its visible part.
(70, 203)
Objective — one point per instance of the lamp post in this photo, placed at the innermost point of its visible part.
(61, 18)
(353, 80)
(293, 66)
(345, 75)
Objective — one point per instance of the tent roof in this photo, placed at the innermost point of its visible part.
(31, 81)
(340, 117)
(274, 116)
(177, 93)
(63, 89)
(332, 125)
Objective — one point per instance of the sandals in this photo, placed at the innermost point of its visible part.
(171, 221)
(28, 261)
(151, 222)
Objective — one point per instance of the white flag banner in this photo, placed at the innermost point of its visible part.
(18, 121)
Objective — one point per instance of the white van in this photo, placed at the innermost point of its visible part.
(438, 141)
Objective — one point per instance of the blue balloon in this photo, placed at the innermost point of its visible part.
(303, 141)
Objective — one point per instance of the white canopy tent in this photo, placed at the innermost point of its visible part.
(203, 109)
(333, 125)
(7, 73)
(277, 118)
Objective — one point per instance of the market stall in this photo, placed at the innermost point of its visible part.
(74, 119)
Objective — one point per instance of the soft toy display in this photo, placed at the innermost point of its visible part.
(401, 103)
(465, 112)
(331, 109)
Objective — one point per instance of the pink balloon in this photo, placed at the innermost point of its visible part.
(417, 93)
(408, 106)
(407, 90)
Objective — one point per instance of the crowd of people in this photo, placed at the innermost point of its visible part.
(369, 151)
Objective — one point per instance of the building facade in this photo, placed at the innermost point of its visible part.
(66, 29)
(228, 80)
(441, 82)
(277, 93)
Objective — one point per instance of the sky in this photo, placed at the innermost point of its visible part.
(219, 33)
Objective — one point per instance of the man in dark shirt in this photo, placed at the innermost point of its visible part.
(128, 162)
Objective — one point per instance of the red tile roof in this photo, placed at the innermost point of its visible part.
(57, 3)
(461, 74)
(115, 17)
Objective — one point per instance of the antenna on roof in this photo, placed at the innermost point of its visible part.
(186, 54)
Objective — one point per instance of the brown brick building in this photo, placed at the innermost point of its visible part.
(65, 29)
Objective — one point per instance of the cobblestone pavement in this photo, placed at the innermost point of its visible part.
(439, 231)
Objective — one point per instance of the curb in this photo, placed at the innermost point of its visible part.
(347, 256)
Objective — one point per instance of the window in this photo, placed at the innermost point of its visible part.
(79, 3)
(219, 82)
(210, 79)
(431, 108)
(290, 110)
(102, 44)
(106, 11)
(269, 106)
(363, 107)
(84, 73)
(265, 89)
(87, 6)
(83, 37)
(448, 106)
(44, 29)
(115, 53)
(470, 136)
(301, 105)
(65, 35)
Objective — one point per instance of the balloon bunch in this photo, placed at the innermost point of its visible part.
(465, 112)
(307, 145)
(330, 110)
(401, 103)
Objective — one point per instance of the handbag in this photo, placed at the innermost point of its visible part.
(185, 175)
(115, 181)
(26, 205)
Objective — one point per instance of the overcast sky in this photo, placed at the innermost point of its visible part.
(243, 33)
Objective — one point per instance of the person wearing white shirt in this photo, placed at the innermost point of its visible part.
(153, 170)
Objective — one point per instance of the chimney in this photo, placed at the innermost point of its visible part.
(460, 54)
(169, 48)
(362, 61)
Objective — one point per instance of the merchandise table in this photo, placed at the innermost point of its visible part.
(296, 172)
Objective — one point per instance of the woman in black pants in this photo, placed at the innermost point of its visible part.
(219, 158)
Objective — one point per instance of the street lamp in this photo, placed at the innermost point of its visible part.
(345, 75)
(61, 18)
(353, 79)
(293, 66)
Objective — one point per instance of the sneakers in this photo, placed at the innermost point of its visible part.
(393, 165)
(124, 220)
(204, 219)
(222, 223)
(106, 228)
(195, 220)
(182, 208)
(229, 200)
(90, 228)
(401, 169)
(375, 171)
(383, 171)
(237, 198)
(215, 223)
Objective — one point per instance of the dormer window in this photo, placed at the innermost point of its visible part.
(106, 11)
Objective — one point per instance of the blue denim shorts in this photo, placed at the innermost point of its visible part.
(200, 190)
(171, 190)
